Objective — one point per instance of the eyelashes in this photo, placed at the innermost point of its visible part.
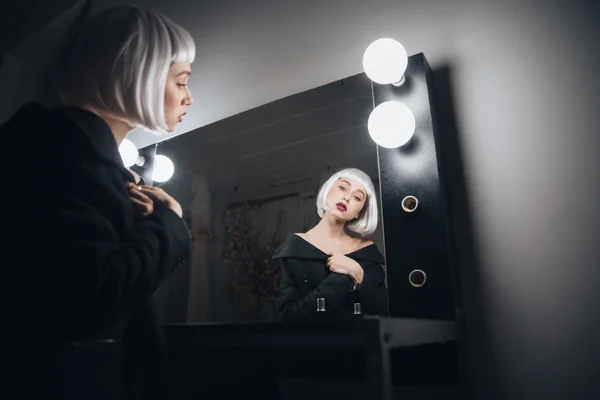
(343, 189)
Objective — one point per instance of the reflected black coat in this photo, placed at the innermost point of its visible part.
(306, 277)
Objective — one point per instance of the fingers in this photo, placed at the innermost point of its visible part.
(138, 194)
(141, 207)
(144, 187)
(152, 189)
(138, 202)
(329, 259)
(336, 266)
(159, 196)
(330, 265)
(155, 194)
(141, 203)
(339, 270)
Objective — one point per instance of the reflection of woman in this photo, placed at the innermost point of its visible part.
(97, 260)
(327, 263)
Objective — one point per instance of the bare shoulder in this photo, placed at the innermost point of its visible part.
(365, 243)
(361, 243)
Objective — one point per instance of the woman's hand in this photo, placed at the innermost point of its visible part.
(142, 204)
(157, 195)
(341, 264)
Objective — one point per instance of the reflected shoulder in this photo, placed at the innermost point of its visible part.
(362, 243)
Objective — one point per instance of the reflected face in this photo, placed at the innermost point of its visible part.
(177, 94)
(346, 199)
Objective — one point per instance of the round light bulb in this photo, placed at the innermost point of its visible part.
(129, 153)
(385, 61)
(391, 124)
(163, 168)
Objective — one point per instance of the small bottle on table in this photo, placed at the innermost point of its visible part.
(321, 309)
(357, 310)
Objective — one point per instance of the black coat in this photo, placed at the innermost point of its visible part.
(88, 267)
(306, 277)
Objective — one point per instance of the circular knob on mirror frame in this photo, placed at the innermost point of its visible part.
(410, 204)
(417, 278)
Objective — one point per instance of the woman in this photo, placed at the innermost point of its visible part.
(327, 263)
(97, 258)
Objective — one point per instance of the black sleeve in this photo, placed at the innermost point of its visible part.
(291, 306)
(113, 271)
(95, 261)
(373, 291)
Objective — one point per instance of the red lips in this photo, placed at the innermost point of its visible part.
(341, 206)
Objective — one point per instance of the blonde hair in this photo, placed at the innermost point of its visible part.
(366, 223)
(118, 62)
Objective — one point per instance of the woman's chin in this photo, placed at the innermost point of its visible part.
(339, 215)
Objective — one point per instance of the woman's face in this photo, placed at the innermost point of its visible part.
(346, 199)
(177, 94)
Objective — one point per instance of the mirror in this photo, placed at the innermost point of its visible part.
(247, 181)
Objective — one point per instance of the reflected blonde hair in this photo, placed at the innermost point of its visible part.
(367, 220)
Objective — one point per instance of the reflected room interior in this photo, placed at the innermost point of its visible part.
(247, 181)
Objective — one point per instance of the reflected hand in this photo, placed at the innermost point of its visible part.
(340, 264)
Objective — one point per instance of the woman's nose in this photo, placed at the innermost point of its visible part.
(189, 99)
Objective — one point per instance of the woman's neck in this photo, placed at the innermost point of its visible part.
(329, 227)
(119, 128)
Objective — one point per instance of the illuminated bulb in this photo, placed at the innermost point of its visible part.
(385, 62)
(129, 153)
(163, 168)
(391, 124)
